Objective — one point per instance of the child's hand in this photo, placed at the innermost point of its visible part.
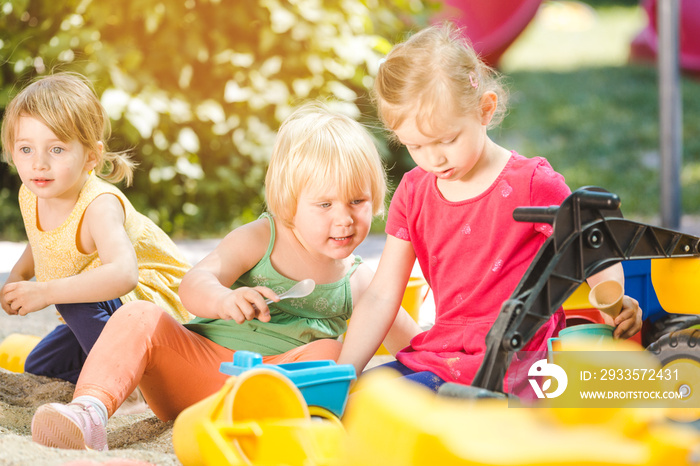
(247, 303)
(3, 302)
(629, 321)
(23, 297)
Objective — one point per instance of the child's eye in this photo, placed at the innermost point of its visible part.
(358, 201)
(25, 150)
(57, 150)
(450, 141)
(324, 205)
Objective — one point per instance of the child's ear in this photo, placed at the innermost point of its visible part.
(488, 104)
(93, 157)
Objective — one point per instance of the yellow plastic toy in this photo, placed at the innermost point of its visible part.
(258, 417)
(579, 298)
(392, 422)
(413, 298)
(14, 350)
(676, 284)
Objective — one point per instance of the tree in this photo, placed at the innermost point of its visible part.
(198, 88)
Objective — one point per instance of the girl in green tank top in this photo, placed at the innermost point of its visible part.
(293, 322)
(324, 183)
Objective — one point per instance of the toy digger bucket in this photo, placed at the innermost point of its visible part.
(14, 350)
(259, 418)
(676, 284)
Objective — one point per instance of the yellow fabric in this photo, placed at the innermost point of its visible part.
(161, 264)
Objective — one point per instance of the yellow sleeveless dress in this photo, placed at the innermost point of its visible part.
(161, 264)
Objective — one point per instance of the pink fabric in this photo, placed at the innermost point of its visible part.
(174, 367)
(473, 255)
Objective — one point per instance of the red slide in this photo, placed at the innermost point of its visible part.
(491, 25)
(645, 46)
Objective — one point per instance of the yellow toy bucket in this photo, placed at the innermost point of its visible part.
(259, 417)
(413, 298)
(14, 350)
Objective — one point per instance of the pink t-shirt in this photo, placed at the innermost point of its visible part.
(473, 255)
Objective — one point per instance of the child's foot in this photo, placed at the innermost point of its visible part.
(73, 426)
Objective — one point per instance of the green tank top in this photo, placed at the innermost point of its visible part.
(293, 322)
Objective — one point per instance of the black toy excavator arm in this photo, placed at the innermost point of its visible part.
(589, 235)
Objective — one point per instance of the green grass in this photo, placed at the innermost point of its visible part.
(566, 36)
(576, 101)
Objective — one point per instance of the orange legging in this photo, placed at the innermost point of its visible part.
(173, 366)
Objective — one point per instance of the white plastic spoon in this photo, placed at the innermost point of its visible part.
(301, 289)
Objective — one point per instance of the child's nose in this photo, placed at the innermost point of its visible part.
(40, 160)
(344, 217)
(435, 156)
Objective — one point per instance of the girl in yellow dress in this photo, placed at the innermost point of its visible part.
(89, 249)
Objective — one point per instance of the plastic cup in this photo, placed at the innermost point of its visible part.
(607, 297)
(590, 333)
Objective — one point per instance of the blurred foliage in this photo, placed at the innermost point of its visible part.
(197, 88)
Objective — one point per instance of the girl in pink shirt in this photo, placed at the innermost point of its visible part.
(453, 213)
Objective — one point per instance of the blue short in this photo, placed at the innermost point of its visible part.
(62, 353)
(425, 378)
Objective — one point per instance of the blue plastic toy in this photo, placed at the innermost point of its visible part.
(323, 384)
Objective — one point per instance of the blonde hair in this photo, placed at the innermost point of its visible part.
(437, 73)
(68, 105)
(316, 146)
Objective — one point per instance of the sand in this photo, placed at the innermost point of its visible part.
(134, 439)
(139, 438)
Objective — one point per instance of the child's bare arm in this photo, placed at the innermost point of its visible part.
(23, 270)
(205, 289)
(404, 327)
(402, 330)
(376, 310)
(103, 227)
